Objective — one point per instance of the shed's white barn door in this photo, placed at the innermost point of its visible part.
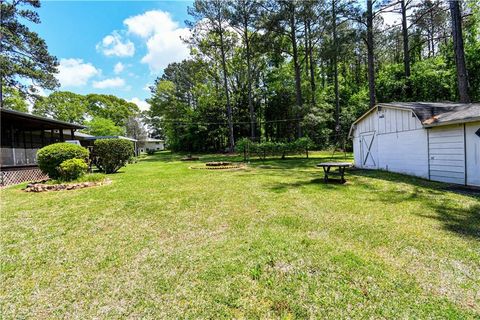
(447, 154)
(472, 135)
(368, 149)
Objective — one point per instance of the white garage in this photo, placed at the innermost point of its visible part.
(436, 141)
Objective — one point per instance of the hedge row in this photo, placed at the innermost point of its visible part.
(273, 149)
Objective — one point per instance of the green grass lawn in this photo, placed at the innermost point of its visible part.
(268, 241)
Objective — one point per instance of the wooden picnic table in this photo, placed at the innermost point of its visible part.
(341, 169)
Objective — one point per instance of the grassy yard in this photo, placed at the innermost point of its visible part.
(269, 241)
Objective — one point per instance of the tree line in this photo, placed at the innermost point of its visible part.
(279, 70)
(269, 70)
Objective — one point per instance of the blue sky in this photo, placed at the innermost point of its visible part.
(113, 47)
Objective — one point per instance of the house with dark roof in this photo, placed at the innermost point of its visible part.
(22, 135)
(436, 141)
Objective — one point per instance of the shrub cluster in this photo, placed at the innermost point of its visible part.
(151, 151)
(50, 158)
(273, 149)
(112, 154)
(72, 169)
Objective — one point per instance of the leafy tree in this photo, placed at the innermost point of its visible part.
(211, 16)
(111, 107)
(23, 54)
(13, 100)
(103, 127)
(62, 105)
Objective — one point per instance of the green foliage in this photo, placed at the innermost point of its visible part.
(151, 152)
(72, 169)
(24, 54)
(112, 154)
(103, 127)
(50, 157)
(14, 100)
(267, 149)
(111, 107)
(431, 80)
(62, 105)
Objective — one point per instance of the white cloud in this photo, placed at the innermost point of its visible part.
(114, 45)
(142, 104)
(109, 83)
(119, 67)
(163, 36)
(75, 72)
(149, 23)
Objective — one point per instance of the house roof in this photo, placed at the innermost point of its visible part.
(89, 137)
(34, 122)
(152, 140)
(439, 113)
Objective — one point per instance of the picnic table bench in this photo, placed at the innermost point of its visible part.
(341, 169)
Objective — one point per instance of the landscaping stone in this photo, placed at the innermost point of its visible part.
(42, 187)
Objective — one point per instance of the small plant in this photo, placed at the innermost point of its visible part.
(50, 157)
(72, 169)
(151, 152)
(112, 154)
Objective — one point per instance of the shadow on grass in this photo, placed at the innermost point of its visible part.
(464, 221)
(317, 182)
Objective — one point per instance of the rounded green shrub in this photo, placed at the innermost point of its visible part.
(72, 169)
(50, 157)
(112, 154)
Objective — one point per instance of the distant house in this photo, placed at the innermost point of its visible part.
(436, 141)
(87, 140)
(151, 144)
(22, 134)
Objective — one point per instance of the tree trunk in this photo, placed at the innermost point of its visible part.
(312, 65)
(298, 82)
(462, 77)
(227, 95)
(406, 51)
(371, 59)
(335, 66)
(249, 82)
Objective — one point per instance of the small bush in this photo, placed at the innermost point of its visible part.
(112, 154)
(268, 149)
(151, 152)
(72, 169)
(50, 157)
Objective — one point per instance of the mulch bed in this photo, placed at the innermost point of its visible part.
(43, 187)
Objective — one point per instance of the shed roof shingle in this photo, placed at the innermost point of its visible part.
(438, 113)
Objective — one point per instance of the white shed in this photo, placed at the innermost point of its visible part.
(436, 141)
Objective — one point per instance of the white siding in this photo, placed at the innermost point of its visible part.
(400, 142)
(473, 153)
(447, 154)
(404, 152)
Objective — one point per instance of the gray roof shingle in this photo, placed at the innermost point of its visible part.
(438, 113)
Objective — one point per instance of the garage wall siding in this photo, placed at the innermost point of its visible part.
(447, 154)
